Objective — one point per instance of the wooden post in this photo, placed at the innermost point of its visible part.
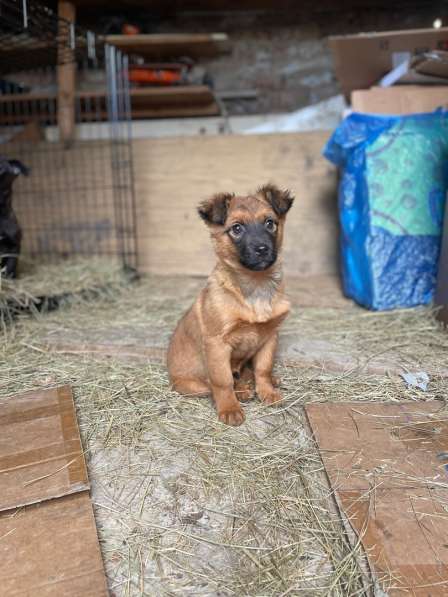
(66, 78)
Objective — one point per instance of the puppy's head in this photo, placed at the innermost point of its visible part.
(9, 171)
(248, 231)
(17, 167)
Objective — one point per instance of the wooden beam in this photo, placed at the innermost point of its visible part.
(149, 102)
(179, 94)
(169, 45)
(66, 79)
(176, 111)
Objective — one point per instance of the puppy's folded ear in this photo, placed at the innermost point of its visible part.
(280, 201)
(214, 210)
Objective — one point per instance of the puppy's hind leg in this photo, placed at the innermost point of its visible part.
(190, 386)
(186, 369)
(244, 383)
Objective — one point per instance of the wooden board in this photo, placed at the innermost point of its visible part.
(182, 100)
(387, 464)
(179, 94)
(66, 73)
(169, 45)
(172, 175)
(176, 111)
(148, 102)
(155, 102)
(165, 96)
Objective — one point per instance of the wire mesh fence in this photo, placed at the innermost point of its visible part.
(78, 198)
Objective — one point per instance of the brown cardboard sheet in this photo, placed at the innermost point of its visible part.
(400, 99)
(388, 466)
(40, 449)
(361, 60)
(48, 540)
(432, 64)
(51, 549)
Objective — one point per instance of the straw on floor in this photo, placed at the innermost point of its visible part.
(187, 506)
(43, 286)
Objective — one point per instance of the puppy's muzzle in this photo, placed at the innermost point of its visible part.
(258, 257)
(261, 250)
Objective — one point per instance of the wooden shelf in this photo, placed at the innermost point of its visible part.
(170, 45)
(149, 102)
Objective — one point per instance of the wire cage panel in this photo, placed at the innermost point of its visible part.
(79, 196)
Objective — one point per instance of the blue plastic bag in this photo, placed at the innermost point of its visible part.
(394, 178)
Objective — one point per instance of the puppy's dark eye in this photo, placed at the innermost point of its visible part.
(270, 225)
(236, 230)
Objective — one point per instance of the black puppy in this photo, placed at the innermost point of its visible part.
(10, 232)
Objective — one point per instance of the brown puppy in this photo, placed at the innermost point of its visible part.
(230, 333)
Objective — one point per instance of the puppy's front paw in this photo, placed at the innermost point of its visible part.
(231, 416)
(269, 396)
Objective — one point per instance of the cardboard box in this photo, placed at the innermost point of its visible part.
(401, 99)
(429, 68)
(361, 60)
(432, 64)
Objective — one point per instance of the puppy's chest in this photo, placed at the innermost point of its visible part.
(246, 338)
(248, 335)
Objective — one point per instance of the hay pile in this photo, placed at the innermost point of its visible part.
(44, 287)
(187, 506)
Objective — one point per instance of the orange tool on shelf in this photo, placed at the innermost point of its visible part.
(155, 76)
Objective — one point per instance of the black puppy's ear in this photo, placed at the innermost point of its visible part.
(214, 210)
(280, 201)
(19, 168)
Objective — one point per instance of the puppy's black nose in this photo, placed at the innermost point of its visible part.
(261, 250)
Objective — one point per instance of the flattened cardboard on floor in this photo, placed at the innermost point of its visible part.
(387, 464)
(400, 99)
(40, 449)
(361, 60)
(404, 532)
(48, 540)
(51, 549)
